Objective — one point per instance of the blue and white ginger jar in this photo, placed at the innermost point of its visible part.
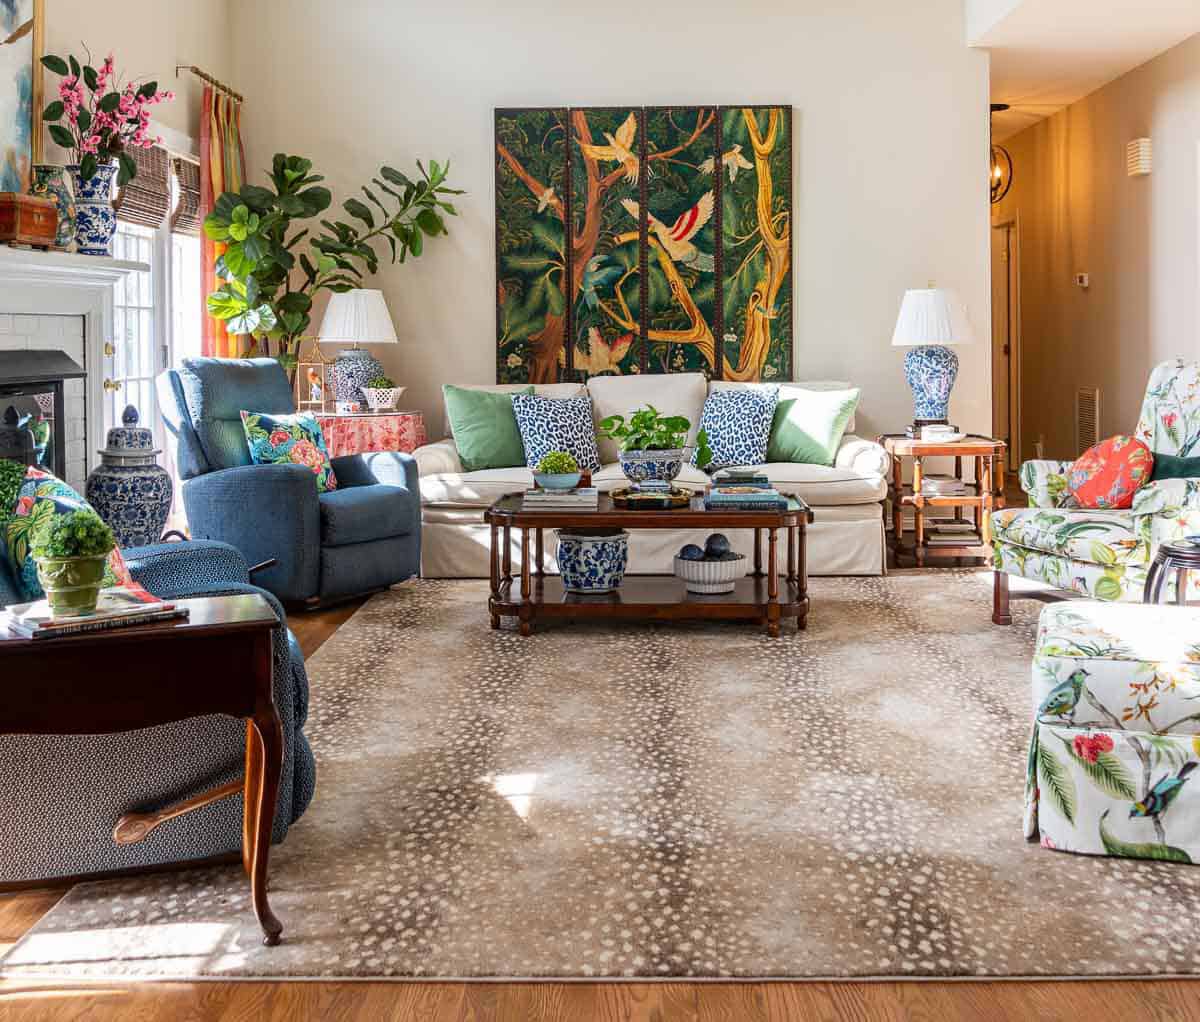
(128, 489)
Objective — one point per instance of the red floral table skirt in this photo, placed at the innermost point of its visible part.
(357, 434)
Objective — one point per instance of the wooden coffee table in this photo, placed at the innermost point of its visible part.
(761, 597)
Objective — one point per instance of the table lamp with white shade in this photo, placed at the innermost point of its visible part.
(930, 319)
(358, 316)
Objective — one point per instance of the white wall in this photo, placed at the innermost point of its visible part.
(890, 162)
(1137, 238)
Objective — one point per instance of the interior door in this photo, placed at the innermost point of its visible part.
(134, 361)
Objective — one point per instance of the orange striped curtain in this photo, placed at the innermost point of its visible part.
(222, 169)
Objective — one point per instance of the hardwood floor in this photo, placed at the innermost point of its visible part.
(1126, 1000)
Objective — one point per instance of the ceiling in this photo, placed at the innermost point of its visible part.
(1046, 54)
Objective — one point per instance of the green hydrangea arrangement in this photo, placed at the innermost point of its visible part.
(558, 463)
(381, 383)
(76, 534)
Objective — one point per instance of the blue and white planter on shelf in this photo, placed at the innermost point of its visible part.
(128, 489)
(353, 370)
(639, 466)
(95, 218)
(592, 561)
(931, 370)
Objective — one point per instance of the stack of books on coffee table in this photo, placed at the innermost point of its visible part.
(734, 490)
(582, 498)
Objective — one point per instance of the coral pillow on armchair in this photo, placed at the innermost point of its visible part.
(1109, 474)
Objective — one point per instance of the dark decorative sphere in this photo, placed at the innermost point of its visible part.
(717, 545)
(691, 552)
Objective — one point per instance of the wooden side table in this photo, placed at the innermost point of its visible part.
(361, 432)
(984, 495)
(217, 661)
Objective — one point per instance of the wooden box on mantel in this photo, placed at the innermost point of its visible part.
(27, 220)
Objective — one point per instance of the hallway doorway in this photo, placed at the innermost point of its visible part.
(1006, 347)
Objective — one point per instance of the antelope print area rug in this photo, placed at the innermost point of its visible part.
(657, 801)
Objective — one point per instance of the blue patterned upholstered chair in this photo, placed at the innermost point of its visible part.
(1106, 554)
(60, 796)
(363, 536)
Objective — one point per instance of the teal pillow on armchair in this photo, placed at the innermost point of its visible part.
(289, 439)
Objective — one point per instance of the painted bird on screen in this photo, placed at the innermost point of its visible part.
(602, 356)
(619, 148)
(677, 239)
(1159, 798)
(1064, 697)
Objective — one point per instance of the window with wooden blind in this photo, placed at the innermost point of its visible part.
(185, 218)
(146, 200)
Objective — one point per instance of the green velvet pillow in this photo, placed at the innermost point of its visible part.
(1169, 466)
(809, 429)
(484, 427)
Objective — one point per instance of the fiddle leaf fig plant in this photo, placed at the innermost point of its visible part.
(276, 259)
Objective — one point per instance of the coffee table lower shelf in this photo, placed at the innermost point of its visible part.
(652, 598)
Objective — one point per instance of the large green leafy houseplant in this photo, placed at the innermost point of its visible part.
(275, 261)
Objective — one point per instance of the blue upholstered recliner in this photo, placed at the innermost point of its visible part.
(363, 536)
(60, 796)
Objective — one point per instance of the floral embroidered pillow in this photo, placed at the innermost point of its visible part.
(40, 497)
(1109, 474)
(289, 440)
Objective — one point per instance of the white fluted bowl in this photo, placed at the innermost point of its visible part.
(710, 576)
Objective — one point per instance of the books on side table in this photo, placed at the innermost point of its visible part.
(582, 498)
(118, 607)
(943, 486)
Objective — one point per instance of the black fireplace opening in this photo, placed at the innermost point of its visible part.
(32, 410)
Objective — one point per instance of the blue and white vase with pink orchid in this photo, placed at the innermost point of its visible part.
(101, 121)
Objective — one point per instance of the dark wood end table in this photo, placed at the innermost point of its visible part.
(217, 661)
(983, 496)
(757, 597)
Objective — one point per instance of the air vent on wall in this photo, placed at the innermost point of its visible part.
(1087, 418)
(1138, 157)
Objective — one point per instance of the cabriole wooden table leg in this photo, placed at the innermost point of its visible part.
(262, 791)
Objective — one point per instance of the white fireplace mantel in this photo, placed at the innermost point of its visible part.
(67, 284)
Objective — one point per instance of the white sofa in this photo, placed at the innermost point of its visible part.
(846, 537)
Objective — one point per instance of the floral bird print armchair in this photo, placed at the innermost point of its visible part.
(1105, 554)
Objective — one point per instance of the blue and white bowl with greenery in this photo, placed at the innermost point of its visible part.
(640, 466)
(593, 560)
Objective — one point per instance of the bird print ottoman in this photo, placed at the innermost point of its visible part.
(1116, 733)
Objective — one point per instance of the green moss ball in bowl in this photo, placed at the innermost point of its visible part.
(557, 471)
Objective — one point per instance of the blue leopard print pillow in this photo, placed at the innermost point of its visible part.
(738, 423)
(557, 424)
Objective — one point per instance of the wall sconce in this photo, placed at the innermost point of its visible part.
(1138, 157)
(1000, 168)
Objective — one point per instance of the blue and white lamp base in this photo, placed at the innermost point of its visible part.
(353, 370)
(931, 370)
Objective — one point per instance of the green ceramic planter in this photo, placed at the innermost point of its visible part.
(72, 584)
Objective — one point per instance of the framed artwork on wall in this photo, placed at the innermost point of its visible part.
(21, 27)
(643, 240)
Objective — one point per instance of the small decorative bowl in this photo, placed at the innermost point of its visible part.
(639, 466)
(557, 482)
(711, 576)
(382, 399)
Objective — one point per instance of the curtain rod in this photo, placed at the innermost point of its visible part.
(205, 76)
